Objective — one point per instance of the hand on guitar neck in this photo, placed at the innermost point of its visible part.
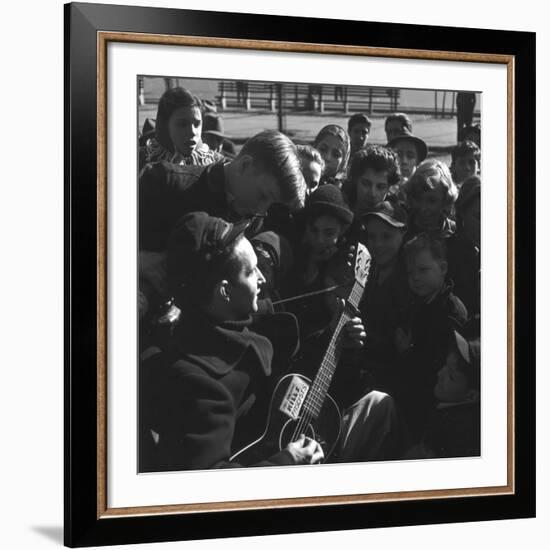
(305, 450)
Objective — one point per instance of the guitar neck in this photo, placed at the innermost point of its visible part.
(319, 388)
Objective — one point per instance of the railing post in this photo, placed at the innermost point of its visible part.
(370, 101)
(271, 99)
(321, 102)
(223, 99)
(345, 99)
(141, 91)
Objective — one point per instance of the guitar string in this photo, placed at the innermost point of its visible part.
(354, 298)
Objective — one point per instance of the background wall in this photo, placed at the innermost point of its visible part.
(31, 225)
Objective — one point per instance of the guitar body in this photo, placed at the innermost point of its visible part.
(288, 419)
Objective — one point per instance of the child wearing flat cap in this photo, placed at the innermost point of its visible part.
(386, 293)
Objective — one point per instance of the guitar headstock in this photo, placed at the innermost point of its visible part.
(362, 264)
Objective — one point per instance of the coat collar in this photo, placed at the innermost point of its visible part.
(220, 347)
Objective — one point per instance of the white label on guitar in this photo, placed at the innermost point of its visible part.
(294, 397)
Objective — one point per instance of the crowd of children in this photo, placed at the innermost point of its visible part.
(306, 206)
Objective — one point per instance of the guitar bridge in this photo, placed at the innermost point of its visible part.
(294, 397)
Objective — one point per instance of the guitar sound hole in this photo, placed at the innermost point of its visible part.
(289, 432)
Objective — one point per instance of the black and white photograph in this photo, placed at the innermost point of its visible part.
(308, 273)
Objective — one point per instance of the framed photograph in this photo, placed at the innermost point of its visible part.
(211, 323)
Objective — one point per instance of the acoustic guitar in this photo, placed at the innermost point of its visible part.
(300, 405)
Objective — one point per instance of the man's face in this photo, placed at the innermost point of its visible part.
(393, 129)
(359, 134)
(244, 290)
(372, 187)
(383, 240)
(333, 152)
(464, 167)
(312, 176)
(254, 192)
(321, 237)
(428, 207)
(407, 155)
(184, 128)
(452, 383)
(471, 221)
(426, 274)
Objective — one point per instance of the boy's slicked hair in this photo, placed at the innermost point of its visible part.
(170, 101)
(404, 119)
(426, 241)
(275, 153)
(309, 154)
(465, 148)
(428, 175)
(359, 118)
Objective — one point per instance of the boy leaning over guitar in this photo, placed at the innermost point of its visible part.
(207, 394)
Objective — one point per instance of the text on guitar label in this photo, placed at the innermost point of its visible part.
(294, 397)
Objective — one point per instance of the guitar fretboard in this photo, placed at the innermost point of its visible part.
(319, 389)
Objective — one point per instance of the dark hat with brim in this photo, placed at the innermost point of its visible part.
(328, 200)
(213, 124)
(391, 213)
(419, 143)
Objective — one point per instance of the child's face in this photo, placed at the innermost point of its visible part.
(184, 128)
(452, 383)
(321, 237)
(333, 152)
(407, 155)
(383, 240)
(359, 134)
(426, 274)
(464, 167)
(372, 188)
(312, 176)
(471, 221)
(428, 207)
